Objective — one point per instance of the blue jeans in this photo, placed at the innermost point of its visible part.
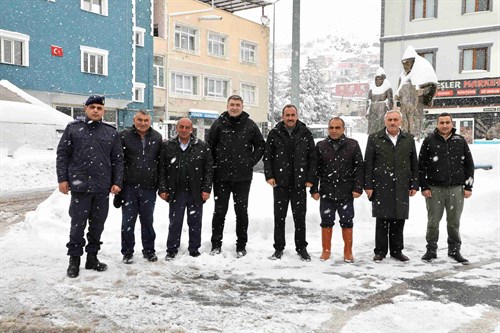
(183, 201)
(91, 207)
(327, 209)
(138, 201)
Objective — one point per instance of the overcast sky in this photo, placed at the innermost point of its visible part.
(320, 18)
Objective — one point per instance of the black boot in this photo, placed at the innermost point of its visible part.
(458, 257)
(94, 263)
(74, 267)
(429, 255)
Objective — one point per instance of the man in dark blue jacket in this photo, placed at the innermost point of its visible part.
(289, 166)
(141, 150)
(89, 165)
(186, 171)
(339, 180)
(237, 145)
(446, 172)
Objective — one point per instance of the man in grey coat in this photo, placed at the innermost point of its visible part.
(391, 177)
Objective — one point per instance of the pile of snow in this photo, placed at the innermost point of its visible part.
(251, 294)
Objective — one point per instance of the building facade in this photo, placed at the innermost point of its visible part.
(203, 55)
(63, 51)
(461, 39)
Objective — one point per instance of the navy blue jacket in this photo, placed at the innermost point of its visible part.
(445, 162)
(90, 157)
(199, 168)
(141, 162)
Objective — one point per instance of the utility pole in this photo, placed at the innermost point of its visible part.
(295, 93)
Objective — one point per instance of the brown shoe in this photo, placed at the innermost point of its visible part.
(400, 256)
(326, 239)
(347, 236)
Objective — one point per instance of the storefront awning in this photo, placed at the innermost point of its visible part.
(205, 114)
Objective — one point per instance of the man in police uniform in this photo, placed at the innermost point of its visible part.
(89, 165)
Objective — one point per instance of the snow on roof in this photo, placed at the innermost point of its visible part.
(21, 93)
(17, 112)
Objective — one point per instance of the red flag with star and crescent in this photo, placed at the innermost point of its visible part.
(57, 51)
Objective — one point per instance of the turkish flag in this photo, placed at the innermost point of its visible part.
(57, 51)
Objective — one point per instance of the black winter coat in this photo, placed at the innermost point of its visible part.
(236, 147)
(340, 172)
(290, 160)
(199, 172)
(90, 157)
(391, 171)
(141, 163)
(445, 162)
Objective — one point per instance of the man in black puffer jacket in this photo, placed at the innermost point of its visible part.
(446, 172)
(237, 145)
(141, 150)
(339, 179)
(289, 166)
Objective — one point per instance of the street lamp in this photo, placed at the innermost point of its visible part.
(273, 64)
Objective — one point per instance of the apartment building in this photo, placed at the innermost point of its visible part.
(62, 51)
(203, 55)
(461, 39)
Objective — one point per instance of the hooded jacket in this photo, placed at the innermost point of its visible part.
(236, 145)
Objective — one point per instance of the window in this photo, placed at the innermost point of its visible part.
(216, 87)
(139, 92)
(159, 72)
(184, 84)
(78, 112)
(95, 6)
(217, 44)
(139, 36)
(186, 38)
(248, 52)
(94, 61)
(474, 59)
(429, 55)
(423, 9)
(14, 48)
(473, 6)
(249, 93)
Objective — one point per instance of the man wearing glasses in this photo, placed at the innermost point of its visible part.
(89, 165)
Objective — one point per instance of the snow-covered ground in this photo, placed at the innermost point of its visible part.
(251, 294)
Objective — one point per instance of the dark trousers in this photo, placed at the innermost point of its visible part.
(91, 207)
(345, 210)
(297, 197)
(184, 200)
(138, 201)
(391, 229)
(222, 192)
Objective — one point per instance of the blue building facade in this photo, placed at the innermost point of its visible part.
(62, 51)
